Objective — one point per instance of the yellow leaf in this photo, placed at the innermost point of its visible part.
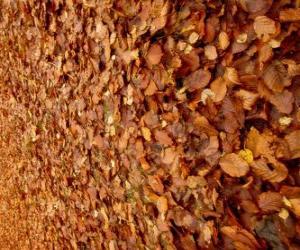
(247, 155)
(146, 133)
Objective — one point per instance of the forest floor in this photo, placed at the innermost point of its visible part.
(153, 124)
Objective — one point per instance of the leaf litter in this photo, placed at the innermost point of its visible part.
(150, 124)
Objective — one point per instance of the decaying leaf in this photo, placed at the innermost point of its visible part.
(270, 201)
(234, 165)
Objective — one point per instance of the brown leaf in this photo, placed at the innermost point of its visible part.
(289, 15)
(249, 206)
(234, 165)
(283, 101)
(259, 144)
(275, 77)
(270, 201)
(218, 87)
(210, 52)
(151, 89)
(162, 204)
(223, 40)
(263, 27)
(237, 234)
(154, 54)
(169, 156)
(163, 138)
(155, 183)
(295, 206)
(212, 147)
(248, 98)
(293, 140)
(198, 80)
(277, 174)
(256, 6)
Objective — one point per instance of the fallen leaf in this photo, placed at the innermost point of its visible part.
(155, 183)
(198, 79)
(295, 206)
(293, 140)
(289, 15)
(154, 54)
(146, 133)
(283, 101)
(210, 52)
(219, 88)
(169, 156)
(162, 204)
(223, 40)
(234, 165)
(270, 201)
(275, 77)
(237, 234)
(248, 98)
(259, 144)
(277, 173)
(247, 155)
(264, 27)
(163, 138)
(151, 89)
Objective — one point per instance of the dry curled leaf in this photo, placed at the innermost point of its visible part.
(234, 165)
(198, 79)
(270, 201)
(277, 173)
(293, 140)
